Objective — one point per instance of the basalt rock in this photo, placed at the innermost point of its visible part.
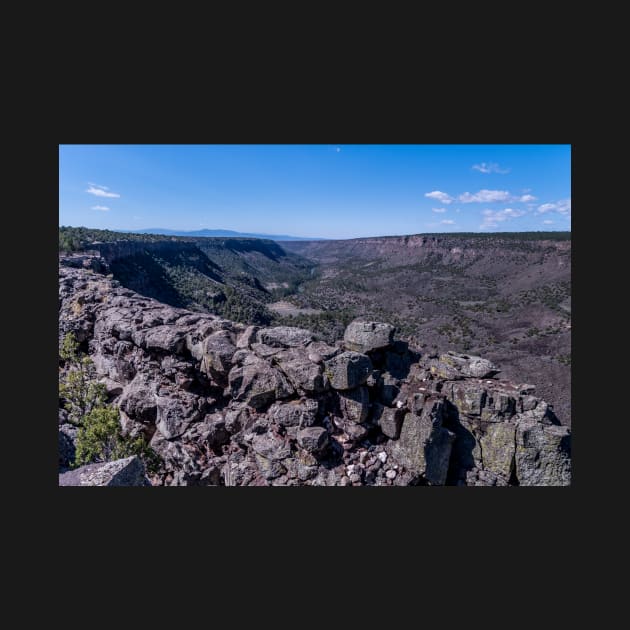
(363, 336)
(228, 404)
(122, 472)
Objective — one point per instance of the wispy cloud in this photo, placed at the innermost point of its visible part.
(447, 221)
(442, 197)
(485, 196)
(438, 209)
(562, 207)
(490, 167)
(492, 218)
(527, 198)
(548, 222)
(338, 149)
(102, 208)
(100, 191)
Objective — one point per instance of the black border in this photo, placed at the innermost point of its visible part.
(431, 522)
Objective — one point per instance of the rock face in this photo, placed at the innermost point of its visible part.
(122, 472)
(226, 404)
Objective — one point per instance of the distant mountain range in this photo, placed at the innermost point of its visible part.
(220, 233)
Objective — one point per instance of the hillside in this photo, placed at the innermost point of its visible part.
(505, 296)
(232, 277)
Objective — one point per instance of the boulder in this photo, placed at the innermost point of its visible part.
(365, 336)
(294, 413)
(285, 336)
(271, 447)
(313, 439)
(355, 404)
(424, 446)
(302, 371)
(389, 420)
(468, 365)
(258, 384)
(348, 370)
(543, 454)
(139, 400)
(497, 449)
(217, 352)
(122, 472)
(174, 415)
(164, 338)
(468, 397)
(247, 337)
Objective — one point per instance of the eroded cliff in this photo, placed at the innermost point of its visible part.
(227, 404)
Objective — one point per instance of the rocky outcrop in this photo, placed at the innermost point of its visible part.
(122, 472)
(227, 404)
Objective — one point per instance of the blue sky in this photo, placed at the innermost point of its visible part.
(330, 191)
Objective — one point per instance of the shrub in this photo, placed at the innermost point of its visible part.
(100, 439)
(79, 388)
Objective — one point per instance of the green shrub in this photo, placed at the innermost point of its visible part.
(79, 388)
(100, 437)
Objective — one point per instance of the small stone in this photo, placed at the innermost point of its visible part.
(399, 404)
(315, 357)
(391, 474)
(355, 478)
(382, 456)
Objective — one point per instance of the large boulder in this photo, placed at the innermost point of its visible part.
(294, 413)
(165, 338)
(497, 446)
(313, 439)
(355, 404)
(271, 447)
(285, 336)
(122, 472)
(139, 399)
(468, 397)
(217, 352)
(302, 371)
(543, 454)
(468, 365)
(388, 419)
(257, 383)
(348, 370)
(175, 415)
(424, 446)
(364, 336)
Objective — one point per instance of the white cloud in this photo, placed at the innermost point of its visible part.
(438, 209)
(102, 208)
(442, 197)
(485, 196)
(526, 198)
(563, 207)
(338, 149)
(100, 191)
(490, 167)
(548, 222)
(447, 221)
(492, 218)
